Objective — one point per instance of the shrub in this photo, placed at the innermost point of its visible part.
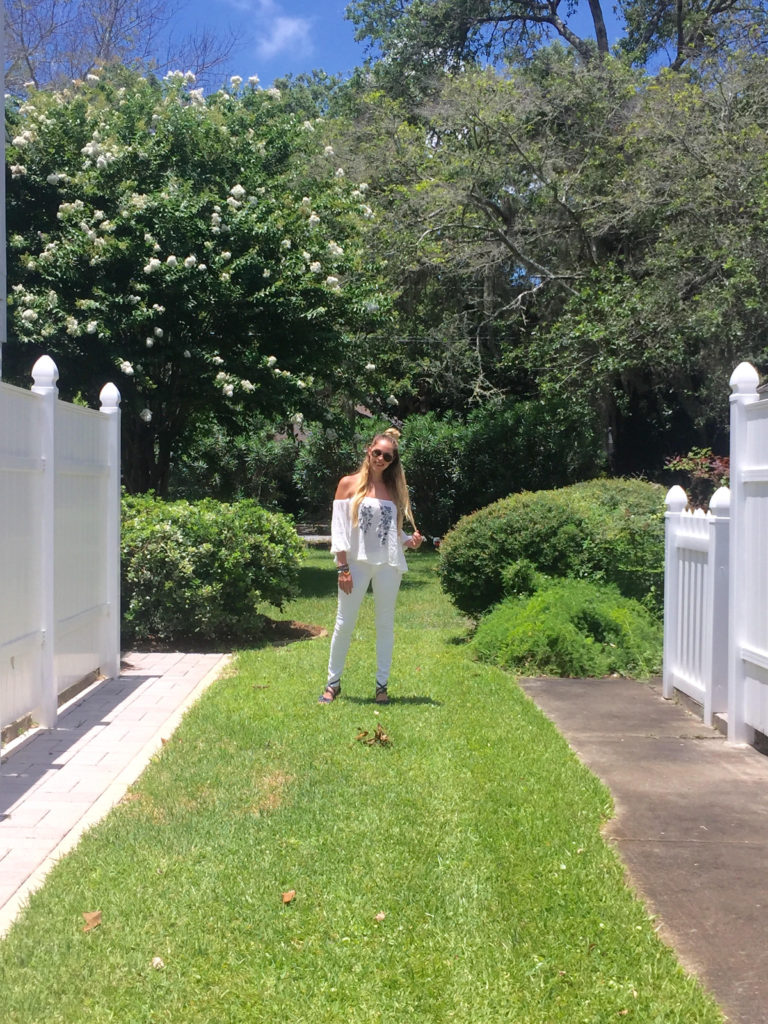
(571, 628)
(456, 467)
(610, 531)
(198, 570)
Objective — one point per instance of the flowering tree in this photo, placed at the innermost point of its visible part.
(204, 252)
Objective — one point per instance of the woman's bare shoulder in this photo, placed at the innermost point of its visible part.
(347, 486)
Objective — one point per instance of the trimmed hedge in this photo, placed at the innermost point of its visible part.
(572, 628)
(198, 570)
(608, 531)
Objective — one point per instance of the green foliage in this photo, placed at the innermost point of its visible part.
(199, 570)
(609, 531)
(455, 467)
(204, 251)
(571, 628)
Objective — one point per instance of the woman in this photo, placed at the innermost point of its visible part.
(367, 539)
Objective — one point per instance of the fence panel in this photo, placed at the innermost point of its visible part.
(59, 544)
(696, 601)
(21, 488)
(748, 677)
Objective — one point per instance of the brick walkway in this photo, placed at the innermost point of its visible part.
(56, 783)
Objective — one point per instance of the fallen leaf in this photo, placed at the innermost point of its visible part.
(380, 916)
(92, 920)
(288, 896)
(623, 1013)
(362, 733)
(379, 736)
(158, 963)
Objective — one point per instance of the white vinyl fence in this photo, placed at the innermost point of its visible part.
(716, 579)
(59, 544)
(696, 601)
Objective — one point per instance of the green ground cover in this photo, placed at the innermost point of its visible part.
(456, 873)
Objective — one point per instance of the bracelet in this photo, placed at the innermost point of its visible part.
(342, 570)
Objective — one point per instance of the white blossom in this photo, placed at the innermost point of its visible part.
(73, 327)
(126, 368)
(92, 78)
(187, 354)
(225, 277)
(29, 316)
(217, 360)
(202, 266)
(254, 80)
(153, 264)
(197, 97)
(146, 415)
(315, 267)
(300, 384)
(235, 81)
(339, 172)
(391, 400)
(18, 170)
(333, 282)
(237, 191)
(285, 244)
(54, 179)
(190, 261)
(328, 151)
(370, 366)
(363, 186)
(306, 201)
(149, 342)
(266, 272)
(274, 93)
(158, 332)
(171, 261)
(335, 249)
(91, 327)
(314, 220)
(228, 390)
(226, 256)
(308, 126)
(246, 385)
(272, 361)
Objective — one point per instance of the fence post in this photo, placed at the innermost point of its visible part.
(110, 407)
(676, 501)
(45, 375)
(743, 382)
(718, 569)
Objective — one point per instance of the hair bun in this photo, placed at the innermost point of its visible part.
(392, 432)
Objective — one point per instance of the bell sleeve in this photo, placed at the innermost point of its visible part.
(341, 526)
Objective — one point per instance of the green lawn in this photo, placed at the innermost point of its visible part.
(455, 874)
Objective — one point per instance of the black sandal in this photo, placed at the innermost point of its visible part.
(335, 690)
(382, 697)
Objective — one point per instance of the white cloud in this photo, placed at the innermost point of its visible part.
(275, 31)
(284, 34)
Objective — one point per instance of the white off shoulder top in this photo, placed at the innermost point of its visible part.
(375, 539)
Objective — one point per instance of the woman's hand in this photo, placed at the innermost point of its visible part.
(345, 582)
(416, 540)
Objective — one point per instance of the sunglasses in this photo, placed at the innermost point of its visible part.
(379, 454)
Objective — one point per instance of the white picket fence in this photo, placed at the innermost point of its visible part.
(716, 580)
(59, 544)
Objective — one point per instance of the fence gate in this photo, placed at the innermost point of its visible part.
(748, 617)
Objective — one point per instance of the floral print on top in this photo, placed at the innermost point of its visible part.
(375, 539)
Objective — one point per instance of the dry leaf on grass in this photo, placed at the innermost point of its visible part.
(92, 920)
(380, 916)
(378, 736)
(158, 963)
(289, 896)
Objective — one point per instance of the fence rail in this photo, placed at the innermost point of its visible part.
(59, 544)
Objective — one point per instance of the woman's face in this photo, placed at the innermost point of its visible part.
(382, 453)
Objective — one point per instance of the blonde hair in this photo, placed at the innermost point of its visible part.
(393, 477)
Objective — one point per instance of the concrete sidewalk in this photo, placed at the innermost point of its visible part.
(55, 783)
(691, 826)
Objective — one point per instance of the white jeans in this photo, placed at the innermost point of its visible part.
(386, 583)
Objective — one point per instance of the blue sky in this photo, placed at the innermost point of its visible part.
(279, 36)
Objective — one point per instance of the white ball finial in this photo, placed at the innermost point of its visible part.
(676, 499)
(109, 397)
(744, 379)
(45, 373)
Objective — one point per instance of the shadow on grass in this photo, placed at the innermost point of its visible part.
(392, 701)
(317, 582)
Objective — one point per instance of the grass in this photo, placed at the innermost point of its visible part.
(455, 874)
